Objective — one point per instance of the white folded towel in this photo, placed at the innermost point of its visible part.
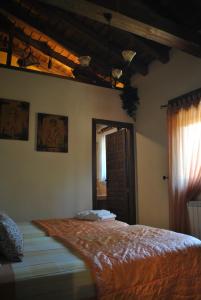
(101, 212)
(95, 215)
(110, 216)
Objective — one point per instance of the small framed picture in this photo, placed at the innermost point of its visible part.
(52, 133)
(14, 119)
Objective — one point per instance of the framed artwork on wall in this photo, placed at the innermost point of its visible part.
(14, 119)
(52, 133)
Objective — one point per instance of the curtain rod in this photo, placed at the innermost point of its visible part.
(182, 96)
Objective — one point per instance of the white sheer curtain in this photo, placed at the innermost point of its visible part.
(189, 152)
(184, 126)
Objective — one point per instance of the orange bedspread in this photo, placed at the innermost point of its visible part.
(134, 262)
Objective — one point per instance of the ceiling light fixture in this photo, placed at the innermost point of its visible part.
(127, 55)
(117, 73)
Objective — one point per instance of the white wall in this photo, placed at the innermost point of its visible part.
(164, 82)
(43, 184)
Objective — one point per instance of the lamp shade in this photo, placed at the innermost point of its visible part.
(116, 73)
(84, 61)
(128, 55)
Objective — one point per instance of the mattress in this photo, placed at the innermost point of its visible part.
(49, 270)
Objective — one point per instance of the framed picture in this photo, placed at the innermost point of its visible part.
(52, 133)
(14, 119)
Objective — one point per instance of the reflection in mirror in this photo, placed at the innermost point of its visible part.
(113, 173)
(101, 166)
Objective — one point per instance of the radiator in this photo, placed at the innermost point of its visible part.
(194, 212)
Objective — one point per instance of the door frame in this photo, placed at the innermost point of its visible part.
(131, 165)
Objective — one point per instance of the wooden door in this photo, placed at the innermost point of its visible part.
(117, 174)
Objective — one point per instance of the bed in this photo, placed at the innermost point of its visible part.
(155, 264)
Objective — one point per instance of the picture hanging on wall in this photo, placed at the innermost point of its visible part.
(14, 119)
(52, 133)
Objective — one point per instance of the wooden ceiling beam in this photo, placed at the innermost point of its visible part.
(149, 13)
(19, 13)
(152, 50)
(18, 48)
(147, 47)
(88, 76)
(101, 43)
(98, 41)
(10, 48)
(176, 38)
(8, 26)
(82, 76)
(159, 54)
(140, 67)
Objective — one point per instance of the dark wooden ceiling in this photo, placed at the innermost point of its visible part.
(62, 31)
